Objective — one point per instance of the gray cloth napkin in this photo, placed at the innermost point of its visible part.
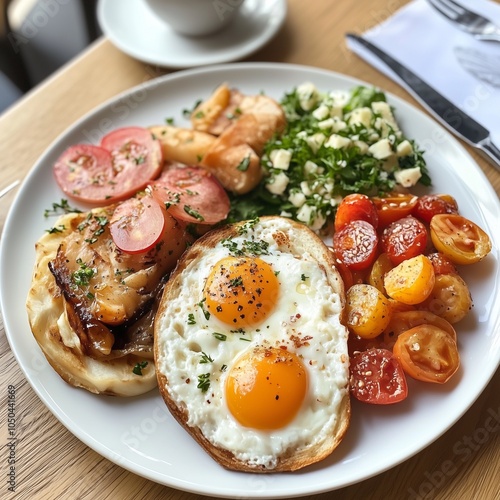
(461, 68)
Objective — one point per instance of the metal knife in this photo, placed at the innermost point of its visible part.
(445, 111)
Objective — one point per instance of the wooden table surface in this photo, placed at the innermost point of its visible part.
(52, 463)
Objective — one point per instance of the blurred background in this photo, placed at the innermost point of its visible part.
(39, 36)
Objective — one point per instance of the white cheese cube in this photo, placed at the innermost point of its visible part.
(363, 147)
(297, 198)
(315, 141)
(321, 112)
(338, 124)
(310, 216)
(328, 123)
(280, 158)
(336, 141)
(381, 149)
(337, 112)
(304, 186)
(383, 126)
(408, 177)
(404, 148)
(308, 95)
(278, 183)
(361, 116)
(339, 97)
(384, 110)
(310, 167)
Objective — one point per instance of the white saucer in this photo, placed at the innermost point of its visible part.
(135, 30)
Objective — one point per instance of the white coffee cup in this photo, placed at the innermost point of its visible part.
(195, 17)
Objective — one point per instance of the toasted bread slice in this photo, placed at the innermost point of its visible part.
(185, 285)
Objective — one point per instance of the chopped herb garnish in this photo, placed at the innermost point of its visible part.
(248, 225)
(303, 277)
(223, 368)
(204, 382)
(169, 121)
(191, 320)
(188, 112)
(193, 213)
(139, 367)
(245, 339)
(140, 160)
(244, 164)
(83, 275)
(62, 207)
(236, 282)
(219, 336)
(56, 229)
(205, 358)
(205, 312)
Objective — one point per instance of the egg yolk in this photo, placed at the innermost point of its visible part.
(241, 291)
(265, 388)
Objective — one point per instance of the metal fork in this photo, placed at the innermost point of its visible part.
(476, 25)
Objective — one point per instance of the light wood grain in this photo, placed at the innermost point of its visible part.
(52, 463)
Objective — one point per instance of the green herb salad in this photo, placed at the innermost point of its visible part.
(334, 143)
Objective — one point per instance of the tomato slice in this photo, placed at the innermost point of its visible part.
(402, 321)
(192, 194)
(404, 239)
(393, 207)
(355, 207)
(377, 377)
(429, 205)
(356, 245)
(427, 353)
(137, 224)
(460, 239)
(123, 164)
(441, 264)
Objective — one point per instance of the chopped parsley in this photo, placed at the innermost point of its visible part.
(61, 208)
(83, 275)
(139, 367)
(56, 229)
(204, 382)
(205, 358)
(244, 164)
(193, 213)
(220, 336)
(205, 312)
(191, 320)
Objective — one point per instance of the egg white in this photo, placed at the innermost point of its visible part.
(306, 307)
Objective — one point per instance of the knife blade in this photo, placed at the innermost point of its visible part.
(9, 188)
(441, 108)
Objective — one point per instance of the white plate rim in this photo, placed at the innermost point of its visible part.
(190, 57)
(268, 487)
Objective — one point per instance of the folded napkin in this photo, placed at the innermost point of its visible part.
(464, 70)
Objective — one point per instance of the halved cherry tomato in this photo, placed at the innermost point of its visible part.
(380, 268)
(377, 377)
(441, 264)
(356, 245)
(460, 239)
(355, 207)
(404, 239)
(192, 194)
(137, 224)
(393, 207)
(124, 164)
(427, 353)
(402, 321)
(429, 205)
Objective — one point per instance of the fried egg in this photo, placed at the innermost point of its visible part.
(250, 350)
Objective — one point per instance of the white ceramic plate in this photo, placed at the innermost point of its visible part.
(139, 434)
(133, 28)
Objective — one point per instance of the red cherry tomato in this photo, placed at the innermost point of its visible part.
(124, 164)
(137, 224)
(404, 239)
(429, 205)
(192, 194)
(441, 264)
(355, 207)
(377, 377)
(394, 207)
(356, 245)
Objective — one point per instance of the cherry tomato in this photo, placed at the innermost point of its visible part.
(137, 224)
(427, 353)
(406, 320)
(380, 268)
(355, 207)
(393, 207)
(404, 239)
(377, 377)
(429, 205)
(192, 194)
(441, 264)
(356, 344)
(460, 239)
(124, 163)
(356, 245)
(367, 310)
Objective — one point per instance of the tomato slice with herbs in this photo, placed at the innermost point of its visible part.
(393, 207)
(123, 164)
(356, 245)
(377, 377)
(192, 194)
(427, 353)
(404, 239)
(460, 239)
(137, 224)
(355, 207)
(429, 205)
